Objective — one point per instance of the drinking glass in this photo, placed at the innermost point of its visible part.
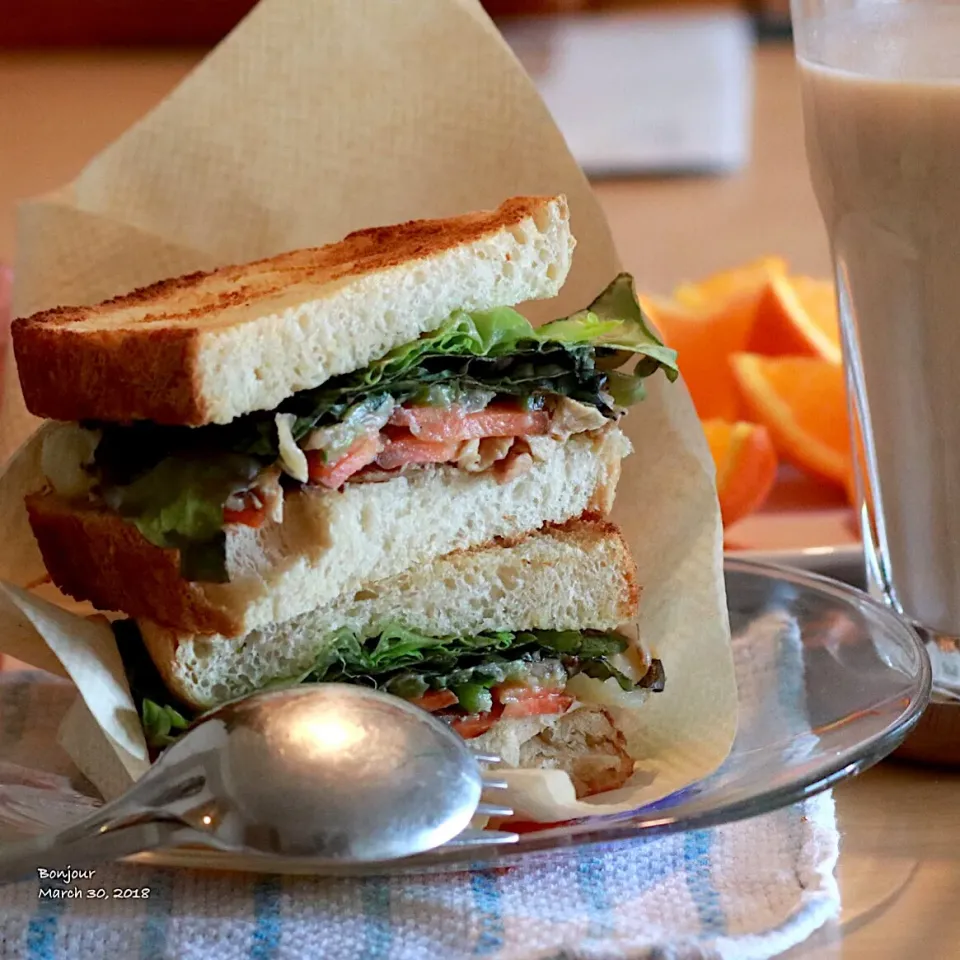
(880, 84)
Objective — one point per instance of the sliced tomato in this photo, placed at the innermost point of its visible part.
(451, 423)
(402, 447)
(532, 702)
(251, 514)
(473, 724)
(333, 475)
(434, 700)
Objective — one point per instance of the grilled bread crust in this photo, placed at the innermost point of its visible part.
(209, 347)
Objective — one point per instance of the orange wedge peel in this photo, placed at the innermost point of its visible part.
(797, 316)
(746, 463)
(702, 338)
(747, 280)
(759, 350)
(802, 403)
(707, 321)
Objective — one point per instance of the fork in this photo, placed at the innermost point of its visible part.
(480, 836)
(330, 772)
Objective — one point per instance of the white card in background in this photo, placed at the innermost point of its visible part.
(644, 93)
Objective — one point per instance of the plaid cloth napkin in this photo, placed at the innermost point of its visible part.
(746, 890)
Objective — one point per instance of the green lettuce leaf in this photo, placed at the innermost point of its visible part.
(346, 656)
(407, 663)
(473, 697)
(179, 503)
(161, 724)
(614, 320)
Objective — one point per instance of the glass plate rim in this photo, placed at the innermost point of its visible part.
(811, 559)
(600, 831)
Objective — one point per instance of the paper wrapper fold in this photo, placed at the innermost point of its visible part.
(312, 119)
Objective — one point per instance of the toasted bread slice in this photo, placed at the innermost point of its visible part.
(559, 578)
(209, 347)
(328, 542)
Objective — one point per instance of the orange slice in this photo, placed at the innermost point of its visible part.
(703, 339)
(797, 316)
(802, 402)
(746, 463)
(748, 279)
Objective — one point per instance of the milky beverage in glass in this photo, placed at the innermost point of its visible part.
(881, 100)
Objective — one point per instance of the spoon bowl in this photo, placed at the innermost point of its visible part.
(331, 771)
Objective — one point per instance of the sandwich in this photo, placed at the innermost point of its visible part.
(239, 447)
(359, 463)
(518, 645)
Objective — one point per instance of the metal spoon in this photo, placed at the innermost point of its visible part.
(327, 771)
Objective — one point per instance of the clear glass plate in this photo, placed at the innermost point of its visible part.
(829, 682)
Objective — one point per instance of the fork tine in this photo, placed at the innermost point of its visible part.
(494, 784)
(481, 837)
(493, 810)
(486, 757)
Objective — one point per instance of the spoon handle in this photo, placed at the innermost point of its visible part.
(23, 860)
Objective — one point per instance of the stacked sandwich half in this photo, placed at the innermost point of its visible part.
(359, 463)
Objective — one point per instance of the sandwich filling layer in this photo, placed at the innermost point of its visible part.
(485, 391)
(471, 682)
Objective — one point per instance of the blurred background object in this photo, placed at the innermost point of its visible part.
(6, 289)
(83, 23)
(6, 295)
(666, 91)
(636, 86)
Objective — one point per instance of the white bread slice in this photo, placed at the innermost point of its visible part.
(209, 347)
(328, 542)
(560, 578)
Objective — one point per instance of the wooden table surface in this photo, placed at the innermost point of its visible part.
(900, 861)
